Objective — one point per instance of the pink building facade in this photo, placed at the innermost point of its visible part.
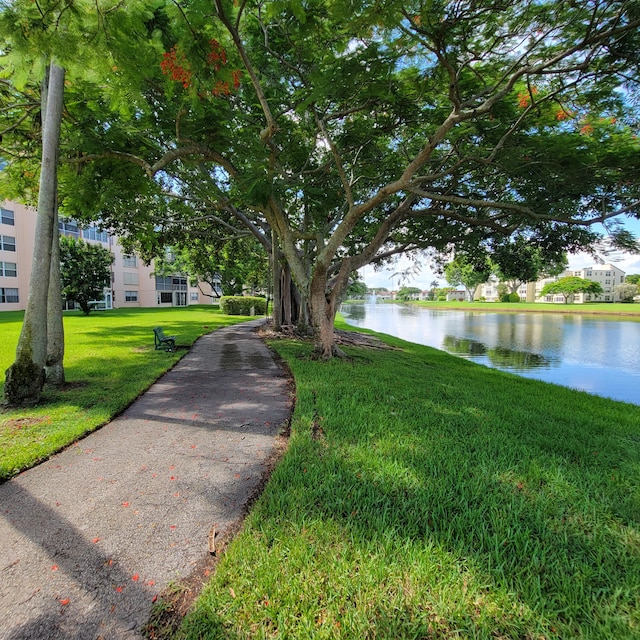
(133, 284)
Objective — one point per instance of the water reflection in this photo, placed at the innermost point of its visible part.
(592, 353)
(500, 357)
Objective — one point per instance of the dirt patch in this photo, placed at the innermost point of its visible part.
(16, 424)
(342, 337)
(70, 386)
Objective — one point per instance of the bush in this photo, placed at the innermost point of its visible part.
(243, 306)
(509, 297)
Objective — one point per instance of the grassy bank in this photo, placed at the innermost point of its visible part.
(423, 496)
(594, 308)
(109, 360)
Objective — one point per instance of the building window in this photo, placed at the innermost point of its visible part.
(165, 297)
(130, 278)
(163, 283)
(7, 217)
(171, 283)
(179, 284)
(7, 243)
(93, 233)
(193, 296)
(8, 269)
(8, 295)
(131, 296)
(68, 228)
(129, 261)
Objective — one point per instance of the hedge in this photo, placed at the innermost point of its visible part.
(243, 305)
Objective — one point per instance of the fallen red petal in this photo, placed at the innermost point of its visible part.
(135, 577)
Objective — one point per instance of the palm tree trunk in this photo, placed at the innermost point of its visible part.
(25, 377)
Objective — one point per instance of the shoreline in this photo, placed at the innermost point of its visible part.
(520, 307)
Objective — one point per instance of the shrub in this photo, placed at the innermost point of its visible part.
(243, 305)
(509, 297)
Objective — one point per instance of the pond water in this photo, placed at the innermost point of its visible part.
(597, 354)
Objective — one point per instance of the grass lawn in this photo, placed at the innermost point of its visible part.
(109, 360)
(424, 496)
(599, 308)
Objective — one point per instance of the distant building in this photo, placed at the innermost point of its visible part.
(133, 284)
(606, 275)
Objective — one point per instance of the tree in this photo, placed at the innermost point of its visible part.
(518, 261)
(357, 290)
(626, 291)
(85, 271)
(26, 376)
(237, 264)
(353, 136)
(571, 285)
(40, 40)
(408, 293)
(462, 270)
(633, 278)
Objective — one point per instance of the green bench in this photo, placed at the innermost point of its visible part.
(162, 341)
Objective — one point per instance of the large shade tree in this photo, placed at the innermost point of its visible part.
(350, 132)
(357, 131)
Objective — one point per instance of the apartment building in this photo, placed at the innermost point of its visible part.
(606, 275)
(133, 284)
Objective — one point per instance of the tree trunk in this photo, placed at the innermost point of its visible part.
(285, 289)
(25, 377)
(323, 315)
(54, 367)
(277, 294)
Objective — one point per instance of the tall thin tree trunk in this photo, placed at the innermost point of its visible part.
(54, 367)
(25, 377)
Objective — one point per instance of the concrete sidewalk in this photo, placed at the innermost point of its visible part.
(89, 538)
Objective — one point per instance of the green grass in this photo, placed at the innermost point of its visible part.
(599, 308)
(423, 496)
(109, 360)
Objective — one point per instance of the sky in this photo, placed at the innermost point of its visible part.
(629, 263)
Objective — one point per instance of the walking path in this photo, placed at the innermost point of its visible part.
(89, 538)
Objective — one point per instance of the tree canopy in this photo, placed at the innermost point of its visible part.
(84, 271)
(349, 133)
(571, 285)
(462, 270)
